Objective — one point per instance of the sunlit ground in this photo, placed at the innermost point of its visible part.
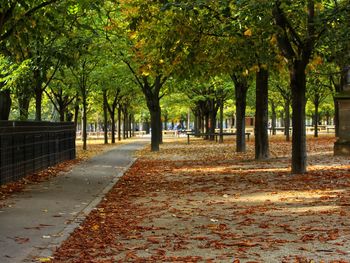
(204, 202)
(97, 146)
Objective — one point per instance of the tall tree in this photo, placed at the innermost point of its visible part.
(261, 115)
(61, 94)
(317, 93)
(298, 33)
(241, 88)
(281, 89)
(82, 72)
(152, 55)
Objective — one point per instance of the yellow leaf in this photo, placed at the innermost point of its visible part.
(273, 40)
(145, 70)
(248, 32)
(254, 68)
(95, 227)
(317, 60)
(133, 35)
(319, 6)
(48, 259)
(311, 67)
(145, 73)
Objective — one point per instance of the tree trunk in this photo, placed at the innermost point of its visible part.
(133, 125)
(241, 89)
(298, 87)
(105, 116)
(119, 123)
(124, 124)
(336, 117)
(160, 126)
(212, 125)
(76, 115)
(156, 125)
(273, 118)
(213, 113)
(38, 103)
(207, 126)
(69, 115)
(221, 122)
(337, 88)
(188, 120)
(84, 122)
(147, 126)
(5, 104)
(151, 93)
(112, 115)
(76, 110)
(261, 116)
(287, 120)
(23, 103)
(62, 112)
(316, 120)
(127, 125)
(203, 123)
(166, 121)
(38, 96)
(130, 125)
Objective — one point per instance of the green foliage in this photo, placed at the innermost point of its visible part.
(12, 74)
(192, 45)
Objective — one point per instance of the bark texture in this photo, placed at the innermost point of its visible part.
(261, 116)
(241, 88)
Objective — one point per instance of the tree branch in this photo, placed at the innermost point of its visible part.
(26, 15)
(52, 100)
(52, 75)
(283, 39)
(132, 71)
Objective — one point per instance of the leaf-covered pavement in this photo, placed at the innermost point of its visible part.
(7, 190)
(205, 203)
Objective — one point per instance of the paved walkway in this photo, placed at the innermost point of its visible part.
(40, 218)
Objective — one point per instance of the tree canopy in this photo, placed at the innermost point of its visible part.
(59, 59)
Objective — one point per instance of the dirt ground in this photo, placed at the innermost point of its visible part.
(205, 203)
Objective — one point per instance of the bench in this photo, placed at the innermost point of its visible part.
(280, 129)
(140, 133)
(330, 128)
(175, 133)
(216, 135)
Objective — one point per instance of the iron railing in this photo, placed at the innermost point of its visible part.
(28, 147)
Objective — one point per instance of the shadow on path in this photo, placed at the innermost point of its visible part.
(43, 216)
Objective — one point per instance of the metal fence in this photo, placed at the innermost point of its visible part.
(28, 147)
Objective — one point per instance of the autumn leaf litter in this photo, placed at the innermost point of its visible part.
(205, 203)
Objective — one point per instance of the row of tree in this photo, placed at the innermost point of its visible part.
(52, 53)
(85, 51)
(242, 39)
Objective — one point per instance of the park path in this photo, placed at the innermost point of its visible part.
(40, 218)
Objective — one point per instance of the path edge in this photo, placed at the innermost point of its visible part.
(46, 253)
